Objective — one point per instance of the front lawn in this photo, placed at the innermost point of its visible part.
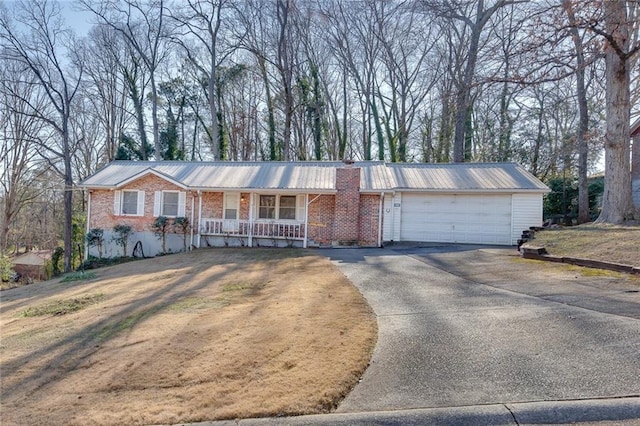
(215, 334)
(609, 243)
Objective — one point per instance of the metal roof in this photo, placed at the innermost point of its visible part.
(375, 176)
(464, 177)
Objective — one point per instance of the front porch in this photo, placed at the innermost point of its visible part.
(246, 232)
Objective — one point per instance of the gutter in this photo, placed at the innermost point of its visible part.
(199, 216)
(193, 207)
(380, 208)
(88, 226)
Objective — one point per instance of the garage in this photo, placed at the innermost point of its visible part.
(461, 203)
(456, 218)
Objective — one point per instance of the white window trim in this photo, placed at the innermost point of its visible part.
(118, 202)
(158, 204)
(299, 215)
(226, 206)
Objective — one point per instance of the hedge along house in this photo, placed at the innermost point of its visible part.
(306, 204)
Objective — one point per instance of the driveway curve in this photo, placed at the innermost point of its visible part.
(468, 325)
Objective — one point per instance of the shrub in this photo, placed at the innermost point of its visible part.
(183, 226)
(95, 238)
(160, 228)
(121, 237)
(56, 257)
(6, 269)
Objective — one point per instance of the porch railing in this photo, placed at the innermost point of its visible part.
(258, 229)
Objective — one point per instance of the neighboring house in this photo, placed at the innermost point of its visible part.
(32, 264)
(314, 203)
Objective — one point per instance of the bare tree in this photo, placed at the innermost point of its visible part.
(141, 24)
(19, 159)
(357, 50)
(39, 51)
(407, 42)
(474, 15)
(583, 126)
(202, 22)
(616, 27)
(105, 88)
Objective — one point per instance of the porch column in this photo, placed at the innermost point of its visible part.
(635, 170)
(199, 216)
(250, 239)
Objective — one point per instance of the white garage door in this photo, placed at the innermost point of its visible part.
(481, 219)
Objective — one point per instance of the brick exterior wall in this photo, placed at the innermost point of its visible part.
(369, 217)
(212, 205)
(320, 221)
(346, 223)
(245, 204)
(102, 214)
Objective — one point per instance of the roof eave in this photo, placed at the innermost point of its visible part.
(474, 190)
(266, 190)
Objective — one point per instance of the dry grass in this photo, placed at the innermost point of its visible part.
(619, 244)
(216, 334)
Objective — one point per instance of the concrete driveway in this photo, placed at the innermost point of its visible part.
(469, 326)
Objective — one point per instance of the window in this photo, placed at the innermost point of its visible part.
(281, 207)
(267, 207)
(287, 208)
(231, 202)
(128, 203)
(169, 204)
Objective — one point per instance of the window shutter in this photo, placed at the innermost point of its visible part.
(140, 211)
(157, 203)
(117, 196)
(182, 201)
(300, 208)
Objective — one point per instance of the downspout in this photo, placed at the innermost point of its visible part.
(306, 219)
(193, 207)
(199, 216)
(380, 208)
(250, 241)
(86, 246)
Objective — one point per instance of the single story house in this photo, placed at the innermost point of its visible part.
(311, 204)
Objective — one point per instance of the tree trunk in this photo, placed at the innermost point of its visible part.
(213, 109)
(342, 137)
(154, 118)
(139, 112)
(583, 125)
(68, 194)
(616, 200)
(583, 145)
(463, 99)
(274, 154)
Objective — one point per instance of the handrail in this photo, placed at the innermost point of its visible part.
(284, 230)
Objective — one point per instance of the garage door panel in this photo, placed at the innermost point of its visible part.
(484, 219)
